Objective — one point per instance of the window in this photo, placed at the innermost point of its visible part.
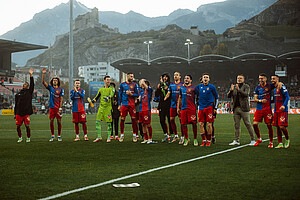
(102, 68)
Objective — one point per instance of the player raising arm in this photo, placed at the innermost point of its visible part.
(55, 104)
(23, 107)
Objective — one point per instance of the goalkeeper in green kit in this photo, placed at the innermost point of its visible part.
(105, 108)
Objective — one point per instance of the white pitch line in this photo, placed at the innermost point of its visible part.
(144, 172)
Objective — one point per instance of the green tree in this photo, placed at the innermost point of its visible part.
(206, 50)
(222, 49)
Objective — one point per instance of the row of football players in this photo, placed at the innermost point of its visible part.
(182, 98)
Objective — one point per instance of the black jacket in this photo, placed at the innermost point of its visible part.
(114, 102)
(23, 100)
(161, 94)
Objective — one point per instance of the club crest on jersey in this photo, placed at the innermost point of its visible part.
(269, 116)
(207, 88)
(189, 90)
(282, 119)
(28, 118)
(178, 87)
(146, 118)
(193, 117)
(57, 91)
(131, 86)
(109, 116)
(210, 116)
(266, 89)
(83, 116)
(134, 111)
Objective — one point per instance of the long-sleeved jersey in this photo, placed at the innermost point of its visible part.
(208, 96)
(78, 100)
(105, 95)
(264, 93)
(124, 98)
(55, 95)
(174, 89)
(281, 98)
(188, 97)
(146, 97)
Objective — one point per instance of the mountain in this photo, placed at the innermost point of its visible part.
(43, 28)
(46, 25)
(222, 15)
(276, 30)
(133, 21)
(101, 43)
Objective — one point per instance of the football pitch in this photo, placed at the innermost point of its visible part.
(41, 169)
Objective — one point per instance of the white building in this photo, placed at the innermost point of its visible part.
(97, 72)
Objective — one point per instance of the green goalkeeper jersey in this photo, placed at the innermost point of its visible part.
(105, 95)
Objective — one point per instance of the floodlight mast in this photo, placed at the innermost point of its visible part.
(148, 52)
(188, 43)
(71, 48)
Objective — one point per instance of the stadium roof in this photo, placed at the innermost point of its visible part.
(217, 65)
(13, 46)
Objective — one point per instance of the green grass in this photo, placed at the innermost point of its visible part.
(41, 169)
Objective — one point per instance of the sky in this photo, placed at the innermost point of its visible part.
(15, 12)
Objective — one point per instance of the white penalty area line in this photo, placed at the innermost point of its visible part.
(144, 172)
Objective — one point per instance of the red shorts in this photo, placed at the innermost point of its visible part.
(173, 112)
(206, 115)
(21, 119)
(53, 112)
(145, 117)
(263, 114)
(79, 117)
(126, 109)
(188, 116)
(280, 119)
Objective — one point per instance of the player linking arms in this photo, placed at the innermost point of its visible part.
(281, 99)
(55, 104)
(23, 107)
(104, 112)
(127, 93)
(174, 93)
(208, 104)
(145, 109)
(78, 111)
(186, 99)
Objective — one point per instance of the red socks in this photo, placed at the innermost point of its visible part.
(122, 123)
(173, 125)
(256, 130)
(58, 129)
(270, 133)
(279, 135)
(150, 132)
(28, 132)
(76, 129)
(52, 128)
(195, 130)
(84, 128)
(19, 131)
